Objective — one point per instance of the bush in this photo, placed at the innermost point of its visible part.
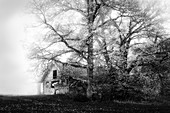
(107, 92)
(80, 98)
(128, 93)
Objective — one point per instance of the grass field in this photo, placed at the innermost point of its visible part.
(62, 104)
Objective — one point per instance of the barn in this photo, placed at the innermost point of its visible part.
(52, 82)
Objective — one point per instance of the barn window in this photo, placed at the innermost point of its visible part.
(54, 74)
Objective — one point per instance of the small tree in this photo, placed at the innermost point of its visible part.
(154, 60)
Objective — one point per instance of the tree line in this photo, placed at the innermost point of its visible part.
(124, 38)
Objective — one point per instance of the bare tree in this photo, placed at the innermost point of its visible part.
(131, 25)
(103, 28)
(62, 34)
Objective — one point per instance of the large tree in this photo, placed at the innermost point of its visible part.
(91, 32)
(81, 43)
(129, 25)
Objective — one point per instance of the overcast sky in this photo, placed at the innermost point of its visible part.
(14, 76)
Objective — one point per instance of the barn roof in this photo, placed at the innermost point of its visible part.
(52, 65)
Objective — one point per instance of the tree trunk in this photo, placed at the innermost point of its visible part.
(124, 50)
(162, 92)
(106, 56)
(90, 64)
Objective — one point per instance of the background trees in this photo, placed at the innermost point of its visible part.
(111, 34)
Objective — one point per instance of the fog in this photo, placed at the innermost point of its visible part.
(14, 76)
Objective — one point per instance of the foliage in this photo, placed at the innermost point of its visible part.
(128, 93)
(154, 63)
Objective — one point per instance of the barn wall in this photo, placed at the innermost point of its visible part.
(47, 90)
(47, 83)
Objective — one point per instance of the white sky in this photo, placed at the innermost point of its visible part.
(16, 31)
(14, 65)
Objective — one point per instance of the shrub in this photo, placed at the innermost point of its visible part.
(108, 92)
(128, 93)
(80, 98)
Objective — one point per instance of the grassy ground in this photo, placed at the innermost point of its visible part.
(62, 104)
